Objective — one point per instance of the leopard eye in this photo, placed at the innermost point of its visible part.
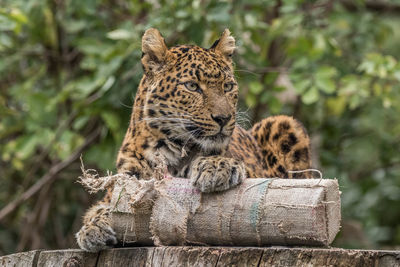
(229, 87)
(192, 86)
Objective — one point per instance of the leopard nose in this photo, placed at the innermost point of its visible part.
(221, 119)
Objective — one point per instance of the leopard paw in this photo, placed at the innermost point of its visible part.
(96, 236)
(211, 174)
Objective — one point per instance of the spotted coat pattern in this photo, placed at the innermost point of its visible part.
(184, 116)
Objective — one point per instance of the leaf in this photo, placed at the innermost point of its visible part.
(302, 86)
(219, 13)
(325, 72)
(12, 19)
(271, 77)
(5, 42)
(354, 101)
(92, 46)
(80, 122)
(367, 66)
(396, 75)
(67, 143)
(107, 85)
(319, 42)
(279, 88)
(251, 100)
(256, 87)
(274, 105)
(75, 26)
(102, 154)
(120, 34)
(181, 14)
(264, 97)
(337, 105)
(250, 19)
(310, 96)
(111, 119)
(326, 85)
(18, 16)
(26, 146)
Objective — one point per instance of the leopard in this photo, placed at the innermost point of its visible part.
(185, 111)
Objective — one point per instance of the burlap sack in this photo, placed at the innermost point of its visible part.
(258, 212)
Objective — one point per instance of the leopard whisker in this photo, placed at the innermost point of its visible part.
(125, 105)
(243, 118)
(248, 71)
(189, 134)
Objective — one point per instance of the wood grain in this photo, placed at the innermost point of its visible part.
(205, 256)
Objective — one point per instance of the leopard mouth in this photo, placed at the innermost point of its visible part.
(199, 135)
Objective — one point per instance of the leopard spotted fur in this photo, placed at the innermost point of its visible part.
(185, 111)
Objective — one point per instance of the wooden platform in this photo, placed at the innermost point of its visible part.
(204, 256)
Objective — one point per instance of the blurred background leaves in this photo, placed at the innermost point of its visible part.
(69, 71)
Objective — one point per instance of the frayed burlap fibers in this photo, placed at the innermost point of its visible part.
(259, 212)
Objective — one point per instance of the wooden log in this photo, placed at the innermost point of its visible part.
(259, 212)
(205, 256)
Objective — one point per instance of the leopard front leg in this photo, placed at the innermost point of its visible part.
(96, 233)
(216, 173)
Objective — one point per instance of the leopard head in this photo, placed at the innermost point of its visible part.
(191, 92)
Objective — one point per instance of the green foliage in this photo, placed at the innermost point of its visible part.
(69, 69)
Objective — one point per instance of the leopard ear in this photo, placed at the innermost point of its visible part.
(154, 50)
(225, 45)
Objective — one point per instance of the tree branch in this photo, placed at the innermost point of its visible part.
(373, 6)
(49, 176)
